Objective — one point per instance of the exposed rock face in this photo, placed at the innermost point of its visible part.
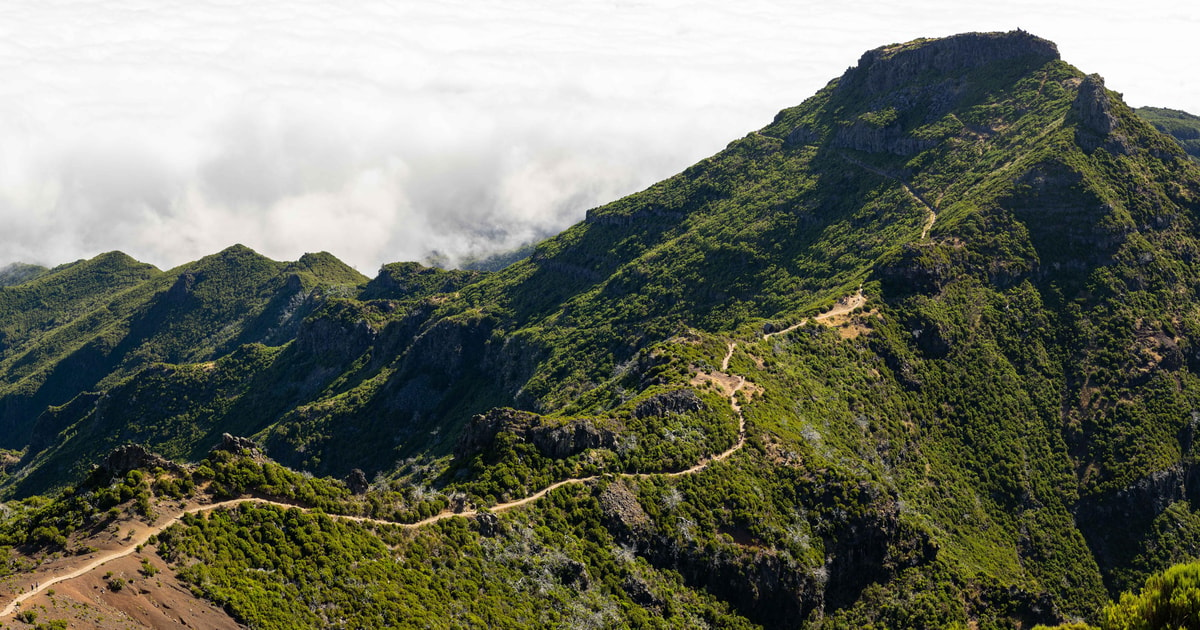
(863, 137)
(913, 84)
(133, 457)
(1097, 123)
(1134, 508)
(569, 439)
(770, 588)
(553, 441)
(1093, 106)
(622, 512)
(335, 334)
(357, 481)
(488, 524)
(891, 67)
(483, 428)
(802, 135)
(235, 444)
(182, 288)
(667, 403)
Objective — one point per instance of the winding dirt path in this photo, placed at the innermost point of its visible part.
(133, 543)
(731, 386)
(929, 220)
(843, 306)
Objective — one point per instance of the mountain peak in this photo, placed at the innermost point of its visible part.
(885, 68)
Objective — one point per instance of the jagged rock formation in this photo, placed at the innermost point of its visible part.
(672, 402)
(892, 69)
(237, 445)
(132, 457)
(357, 481)
(556, 441)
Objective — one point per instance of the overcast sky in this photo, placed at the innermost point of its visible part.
(380, 131)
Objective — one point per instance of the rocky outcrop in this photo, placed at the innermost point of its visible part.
(623, 514)
(889, 68)
(768, 587)
(648, 212)
(448, 348)
(556, 441)
(236, 445)
(860, 136)
(357, 481)
(182, 289)
(1097, 122)
(1134, 508)
(909, 85)
(668, 403)
(1093, 107)
(802, 135)
(132, 457)
(338, 331)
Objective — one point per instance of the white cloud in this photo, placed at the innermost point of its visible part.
(382, 130)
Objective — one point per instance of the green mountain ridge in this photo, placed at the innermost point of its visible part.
(1001, 435)
(1182, 126)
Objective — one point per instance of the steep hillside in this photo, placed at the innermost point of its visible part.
(1182, 126)
(87, 326)
(16, 273)
(920, 352)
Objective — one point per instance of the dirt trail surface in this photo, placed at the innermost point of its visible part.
(731, 385)
(844, 306)
(929, 221)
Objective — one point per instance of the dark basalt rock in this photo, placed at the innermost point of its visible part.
(483, 428)
(182, 289)
(639, 591)
(130, 457)
(1134, 508)
(1097, 122)
(553, 441)
(623, 514)
(338, 334)
(488, 524)
(573, 573)
(918, 83)
(236, 445)
(357, 481)
(863, 137)
(1093, 106)
(889, 68)
(673, 402)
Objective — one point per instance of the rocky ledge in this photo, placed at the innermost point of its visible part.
(556, 441)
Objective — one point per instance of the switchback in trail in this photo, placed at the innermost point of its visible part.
(134, 542)
(729, 384)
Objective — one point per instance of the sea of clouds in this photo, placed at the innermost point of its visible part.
(384, 131)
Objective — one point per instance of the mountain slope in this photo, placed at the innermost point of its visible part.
(1182, 126)
(995, 426)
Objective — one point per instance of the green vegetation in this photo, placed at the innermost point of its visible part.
(1169, 600)
(1182, 126)
(308, 570)
(955, 453)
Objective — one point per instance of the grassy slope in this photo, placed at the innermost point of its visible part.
(1029, 362)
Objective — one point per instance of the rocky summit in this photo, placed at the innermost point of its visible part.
(923, 351)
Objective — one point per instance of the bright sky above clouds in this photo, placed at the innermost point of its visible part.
(384, 130)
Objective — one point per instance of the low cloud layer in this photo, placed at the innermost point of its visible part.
(384, 131)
